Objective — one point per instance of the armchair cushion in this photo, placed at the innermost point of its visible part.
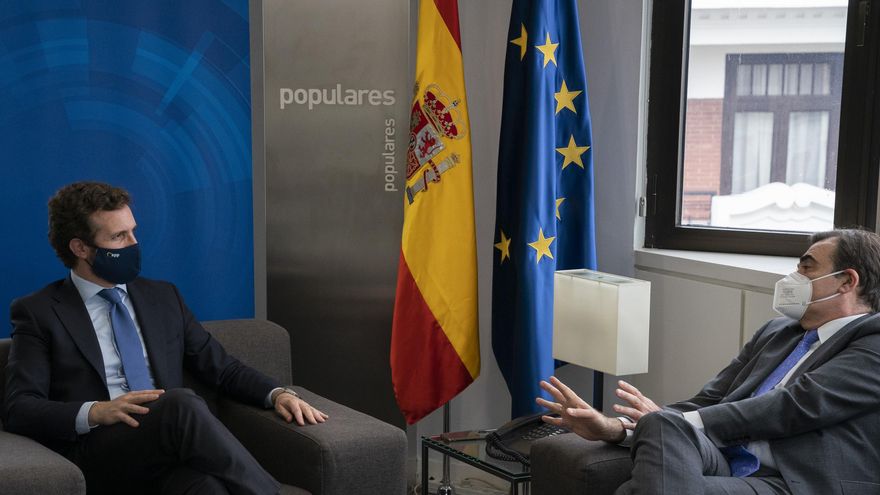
(568, 464)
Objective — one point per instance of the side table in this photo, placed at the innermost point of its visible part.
(473, 453)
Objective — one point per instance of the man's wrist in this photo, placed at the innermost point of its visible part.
(621, 434)
(83, 421)
(93, 422)
(284, 390)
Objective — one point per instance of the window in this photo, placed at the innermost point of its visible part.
(760, 122)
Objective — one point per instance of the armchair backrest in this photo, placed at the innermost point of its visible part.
(260, 344)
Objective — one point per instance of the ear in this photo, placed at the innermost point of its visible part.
(853, 283)
(78, 248)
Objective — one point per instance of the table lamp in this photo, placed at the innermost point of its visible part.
(600, 321)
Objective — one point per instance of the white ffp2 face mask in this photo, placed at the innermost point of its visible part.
(792, 294)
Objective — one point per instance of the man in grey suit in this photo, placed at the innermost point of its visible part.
(797, 411)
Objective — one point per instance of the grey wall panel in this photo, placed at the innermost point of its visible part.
(611, 32)
(333, 227)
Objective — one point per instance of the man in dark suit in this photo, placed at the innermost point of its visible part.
(797, 411)
(97, 359)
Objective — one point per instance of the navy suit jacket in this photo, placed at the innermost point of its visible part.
(823, 426)
(55, 362)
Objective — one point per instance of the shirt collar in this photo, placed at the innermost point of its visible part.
(87, 289)
(830, 328)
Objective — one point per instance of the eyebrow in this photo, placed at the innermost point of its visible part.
(114, 234)
(807, 257)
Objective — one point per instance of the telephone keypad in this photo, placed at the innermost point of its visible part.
(545, 430)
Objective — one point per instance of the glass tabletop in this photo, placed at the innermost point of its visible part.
(473, 451)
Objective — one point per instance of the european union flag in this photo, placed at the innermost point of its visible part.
(544, 216)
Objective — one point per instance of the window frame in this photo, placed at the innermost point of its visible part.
(858, 150)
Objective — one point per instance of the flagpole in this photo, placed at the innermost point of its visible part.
(445, 487)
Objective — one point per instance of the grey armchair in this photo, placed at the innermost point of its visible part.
(350, 454)
(569, 465)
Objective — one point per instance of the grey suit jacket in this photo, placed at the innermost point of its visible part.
(55, 362)
(823, 426)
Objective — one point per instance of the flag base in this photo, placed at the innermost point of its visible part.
(445, 487)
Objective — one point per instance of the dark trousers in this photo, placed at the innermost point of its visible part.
(179, 448)
(671, 456)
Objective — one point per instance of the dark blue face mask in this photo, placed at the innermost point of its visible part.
(119, 266)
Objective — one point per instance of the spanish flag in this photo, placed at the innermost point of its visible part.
(435, 347)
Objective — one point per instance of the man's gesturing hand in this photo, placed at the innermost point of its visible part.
(292, 408)
(639, 405)
(577, 415)
(122, 407)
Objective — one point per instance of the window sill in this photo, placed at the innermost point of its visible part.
(746, 271)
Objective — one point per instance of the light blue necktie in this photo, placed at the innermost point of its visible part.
(742, 462)
(128, 343)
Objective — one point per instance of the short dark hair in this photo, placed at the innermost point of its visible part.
(70, 209)
(858, 249)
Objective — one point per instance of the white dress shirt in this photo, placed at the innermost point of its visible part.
(761, 448)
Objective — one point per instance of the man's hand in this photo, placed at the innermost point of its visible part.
(639, 405)
(292, 408)
(121, 408)
(578, 416)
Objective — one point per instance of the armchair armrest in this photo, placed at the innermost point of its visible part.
(27, 467)
(568, 464)
(350, 453)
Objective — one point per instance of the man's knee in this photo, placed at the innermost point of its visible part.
(181, 398)
(184, 480)
(208, 485)
(657, 420)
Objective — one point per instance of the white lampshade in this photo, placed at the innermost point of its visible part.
(600, 321)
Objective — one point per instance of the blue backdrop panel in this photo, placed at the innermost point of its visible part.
(153, 96)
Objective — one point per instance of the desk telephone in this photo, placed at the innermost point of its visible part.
(511, 442)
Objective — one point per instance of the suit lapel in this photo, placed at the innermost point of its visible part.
(769, 357)
(828, 348)
(151, 328)
(72, 313)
